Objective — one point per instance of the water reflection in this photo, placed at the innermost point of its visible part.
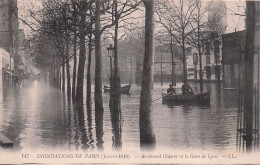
(99, 128)
(81, 124)
(89, 124)
(40, 116)
(116, 119)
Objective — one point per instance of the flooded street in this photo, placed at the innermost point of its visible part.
(39, 116)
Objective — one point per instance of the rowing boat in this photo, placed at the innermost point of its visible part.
(193, 98)
(124, 89)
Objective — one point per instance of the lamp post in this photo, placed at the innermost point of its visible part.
(110, 53)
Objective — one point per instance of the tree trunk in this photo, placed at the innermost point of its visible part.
(184, 63)
(200, 55)
(249, 68)
(115, 85)
(51, 76)
(217, 70)
(74, 66)
(171, 48)
(63, 73)
(58, 73)
(68, 66)
(147, 137)
(98, 56)
(115, 96)
(82, 52)
(200, 72)
(88, 101)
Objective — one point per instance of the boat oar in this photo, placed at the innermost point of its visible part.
(162, 96)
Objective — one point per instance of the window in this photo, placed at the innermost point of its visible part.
(3, 23)
(191, 69)
(207, 48)
(4, 15)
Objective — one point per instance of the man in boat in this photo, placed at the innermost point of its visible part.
(186, 89)
(171, 90)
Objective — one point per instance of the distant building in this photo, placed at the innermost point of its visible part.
(211, 61)
(22, 52)
(233, 45)
(5, 61)
(163, 65)
(9, 27)
(130, 58)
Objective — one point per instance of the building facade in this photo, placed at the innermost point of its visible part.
(5, 61)
(9, 28)
(233, 45)
(210, 59)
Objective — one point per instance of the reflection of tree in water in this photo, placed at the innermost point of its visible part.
(116, 119)
(89, 130)
(70, 124)
(81, 124)
(99, 128)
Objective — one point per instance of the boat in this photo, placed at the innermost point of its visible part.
(203, 98)
(124, 89)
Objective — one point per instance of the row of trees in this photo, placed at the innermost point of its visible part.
(61, 31)
(69, 26)
(183, 23)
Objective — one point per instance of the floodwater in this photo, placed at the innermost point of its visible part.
(39, 116)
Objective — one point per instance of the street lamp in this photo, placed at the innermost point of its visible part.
(110, 53)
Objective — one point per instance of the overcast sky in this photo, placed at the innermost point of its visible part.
(233, 21)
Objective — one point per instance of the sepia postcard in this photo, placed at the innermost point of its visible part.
(129, 81)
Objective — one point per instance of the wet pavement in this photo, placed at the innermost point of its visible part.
(39, 116)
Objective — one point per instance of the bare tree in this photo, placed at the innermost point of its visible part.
(168, 41)
(175, 17)
(147, 137)
(90, 48)
(98, 68)
(217, 26)
(200, 34)
(83, 7)
(126, 8)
